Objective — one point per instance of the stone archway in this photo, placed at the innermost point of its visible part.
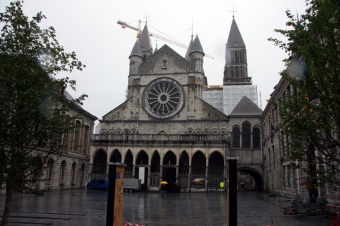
(99, 165)
(141, 169)
(198, 167)
(116, 156)
(215, 170)
(255, 175)
(155, 169)
(129, 164)
(169, 170)
(183, 170)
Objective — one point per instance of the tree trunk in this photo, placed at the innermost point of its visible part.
(8, 206)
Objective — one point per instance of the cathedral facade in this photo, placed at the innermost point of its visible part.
(167, 130)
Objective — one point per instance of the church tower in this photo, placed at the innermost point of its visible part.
(235, 70)
(136, 59)
(196, 56)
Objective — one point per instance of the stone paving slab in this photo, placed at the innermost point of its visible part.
(88, 207)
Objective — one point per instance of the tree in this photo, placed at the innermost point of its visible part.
(311, 114)
(32, 103)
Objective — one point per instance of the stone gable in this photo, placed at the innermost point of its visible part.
(163, 61)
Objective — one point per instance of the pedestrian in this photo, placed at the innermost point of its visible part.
(162, 190)
(242, 185)
(178, 189)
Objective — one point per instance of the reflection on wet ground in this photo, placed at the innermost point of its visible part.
(88, 207)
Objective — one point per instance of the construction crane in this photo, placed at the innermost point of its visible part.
(139, 31)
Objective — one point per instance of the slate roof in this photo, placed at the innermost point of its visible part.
(235, 38)
(246, 107)
(187, 57)
(145, 41)
(136, 50)
(196, 46)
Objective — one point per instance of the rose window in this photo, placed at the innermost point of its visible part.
(163, 98)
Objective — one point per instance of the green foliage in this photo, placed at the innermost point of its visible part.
(311, 115)
(33, 108)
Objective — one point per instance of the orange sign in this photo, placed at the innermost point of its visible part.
(119, 188)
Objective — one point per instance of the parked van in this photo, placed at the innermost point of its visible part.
(98, 184)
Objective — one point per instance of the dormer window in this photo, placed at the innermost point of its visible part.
(165, 64)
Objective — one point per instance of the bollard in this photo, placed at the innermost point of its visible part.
(114, 210)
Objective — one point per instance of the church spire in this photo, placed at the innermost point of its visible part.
(235, 38)
(187, 57)
(145, 42)
(196, 46)
(136, 50)
(136, 59)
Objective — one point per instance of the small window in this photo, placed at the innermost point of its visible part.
(246, 135)
(165, 64)
(236, 137)
(256, 138)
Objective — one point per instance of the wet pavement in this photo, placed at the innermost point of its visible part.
(88, 207)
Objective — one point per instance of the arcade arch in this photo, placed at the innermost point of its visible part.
(116, 156)
(256, 184)
(99, 164)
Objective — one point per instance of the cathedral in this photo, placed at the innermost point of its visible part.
(175, 127)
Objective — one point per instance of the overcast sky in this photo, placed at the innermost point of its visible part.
(89, 27)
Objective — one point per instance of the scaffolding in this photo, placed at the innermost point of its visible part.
(226, 99)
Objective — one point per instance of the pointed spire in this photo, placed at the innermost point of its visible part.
(196, 46)
(136, 50)
(145, 41)
(235, 38)
(187, 57)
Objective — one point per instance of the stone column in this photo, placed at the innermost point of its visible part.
(241, 145)
(161, 173)
(149, 173)
(81, 139)
(190, 179)
(89, 172)
(133, 171)
(206, 178)
(107, 171)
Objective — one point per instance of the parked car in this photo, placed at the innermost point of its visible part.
(102, 184)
